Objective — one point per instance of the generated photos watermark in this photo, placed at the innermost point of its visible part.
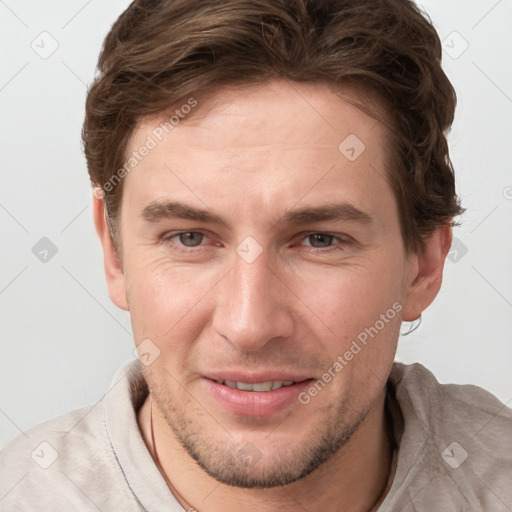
(152, 141)
(356, 346)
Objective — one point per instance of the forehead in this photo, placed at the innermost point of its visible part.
(262, 111)
(274, 142)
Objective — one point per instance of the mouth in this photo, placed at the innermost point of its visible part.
(259, 398)
(269, 385)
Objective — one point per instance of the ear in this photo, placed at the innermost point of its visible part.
(113, 266)
(426, 273)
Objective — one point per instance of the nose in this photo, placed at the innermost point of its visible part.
(251, 309)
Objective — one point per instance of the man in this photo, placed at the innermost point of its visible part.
(274, 197)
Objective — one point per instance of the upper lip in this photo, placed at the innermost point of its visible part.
(255, 377)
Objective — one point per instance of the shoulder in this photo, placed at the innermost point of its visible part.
(451, 406)
(55, 435)
(67, 463)
(466, 433)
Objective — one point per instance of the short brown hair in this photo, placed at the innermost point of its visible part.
(159, 52)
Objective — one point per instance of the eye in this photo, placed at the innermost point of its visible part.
(188, 238)
(320, 240)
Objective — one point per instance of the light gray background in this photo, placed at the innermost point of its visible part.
(62, 339)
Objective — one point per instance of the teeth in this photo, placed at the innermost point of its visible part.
(242, 386)
(258, 386)
(262, 386)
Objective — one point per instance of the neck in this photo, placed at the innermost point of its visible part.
(354, 479)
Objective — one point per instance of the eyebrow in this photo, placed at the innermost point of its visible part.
(157, 211)
(334, 211)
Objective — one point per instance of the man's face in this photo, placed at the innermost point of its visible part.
(254, 250)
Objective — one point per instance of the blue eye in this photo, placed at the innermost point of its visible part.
(190, 238)
(320, 240)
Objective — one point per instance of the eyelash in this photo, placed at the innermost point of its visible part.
(168, 238)
(338, 239)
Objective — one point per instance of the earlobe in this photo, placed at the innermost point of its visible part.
(427, 276)
(112, 262)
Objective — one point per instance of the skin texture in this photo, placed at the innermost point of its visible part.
(249, 156)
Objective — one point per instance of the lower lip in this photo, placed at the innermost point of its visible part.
(255, 403)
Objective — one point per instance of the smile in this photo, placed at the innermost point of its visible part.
(269, 385)
(263, 398)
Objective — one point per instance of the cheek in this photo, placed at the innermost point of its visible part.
(353, 296)
(167, 302)
(357, 316)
